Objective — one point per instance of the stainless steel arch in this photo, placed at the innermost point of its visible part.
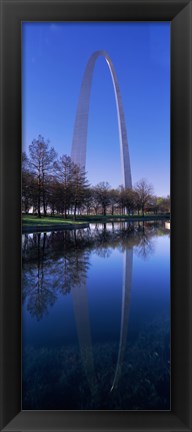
(79, 143)
(81, 312)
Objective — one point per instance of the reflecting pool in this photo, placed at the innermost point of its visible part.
(96, 318)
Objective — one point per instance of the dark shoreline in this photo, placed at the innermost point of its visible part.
(54, 227)
(106, 219)
(26, 229)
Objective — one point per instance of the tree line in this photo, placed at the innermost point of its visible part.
(58, 186)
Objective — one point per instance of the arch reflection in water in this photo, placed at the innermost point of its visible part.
(126, 297)
(81, 310)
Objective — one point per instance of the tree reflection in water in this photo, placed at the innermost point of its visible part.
(57, 263)
(52, 263)
(37, 288)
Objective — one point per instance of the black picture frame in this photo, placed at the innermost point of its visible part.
(13, 12)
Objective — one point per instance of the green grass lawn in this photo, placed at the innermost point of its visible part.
(30, 220)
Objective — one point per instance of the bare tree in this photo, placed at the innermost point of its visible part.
(102, 195)
(129, 200)
(79, 187)
(28, 185)
(89, 200)
(114, 199)
(65, 176)
(41, 162)
(143, 192)
(95, 203)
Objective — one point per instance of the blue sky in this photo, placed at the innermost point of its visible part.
(54, 57)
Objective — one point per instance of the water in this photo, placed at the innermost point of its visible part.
(96, 318)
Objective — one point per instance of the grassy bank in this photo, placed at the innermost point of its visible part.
(31, 220)
(31, 223)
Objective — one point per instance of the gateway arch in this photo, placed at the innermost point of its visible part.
(78, 155)
(79, 143)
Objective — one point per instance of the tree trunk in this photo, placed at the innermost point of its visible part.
(39, 206)
(44, 203)
(39, 194)
(75, 209)
(45, 210)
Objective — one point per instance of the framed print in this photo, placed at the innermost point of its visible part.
(89, 340)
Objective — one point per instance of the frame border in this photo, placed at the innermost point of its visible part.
(179, 12)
